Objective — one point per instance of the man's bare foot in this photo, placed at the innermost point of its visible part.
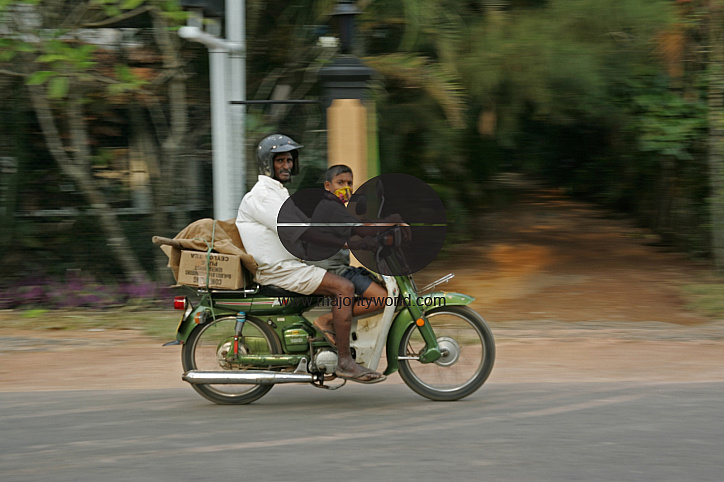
(326, 327)
(358, 373)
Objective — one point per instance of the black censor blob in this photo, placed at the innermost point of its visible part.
(395, 224)
(313, 224)
(400, 198)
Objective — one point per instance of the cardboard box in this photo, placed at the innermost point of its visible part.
(215, 270)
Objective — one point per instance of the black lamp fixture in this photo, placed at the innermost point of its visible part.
(343, 19)
(346, 77)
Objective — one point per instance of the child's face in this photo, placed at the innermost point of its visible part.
(340, 186)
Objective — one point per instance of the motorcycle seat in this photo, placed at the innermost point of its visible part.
(275, 291)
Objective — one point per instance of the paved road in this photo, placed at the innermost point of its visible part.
(514, 431)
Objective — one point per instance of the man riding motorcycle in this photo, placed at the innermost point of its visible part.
(278, 161)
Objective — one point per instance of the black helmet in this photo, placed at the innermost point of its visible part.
(275, 144)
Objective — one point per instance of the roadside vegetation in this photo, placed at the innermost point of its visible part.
(705, 298)
(155, 323)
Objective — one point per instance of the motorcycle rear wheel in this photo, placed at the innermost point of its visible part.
(207, 346)
(468, 360)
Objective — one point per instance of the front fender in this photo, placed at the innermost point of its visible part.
(405, 318)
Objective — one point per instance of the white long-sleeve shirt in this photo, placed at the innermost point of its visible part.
(257, 225)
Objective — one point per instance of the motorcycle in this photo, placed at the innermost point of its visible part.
(236, 345)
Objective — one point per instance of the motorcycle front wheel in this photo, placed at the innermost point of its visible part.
(207, 347)
(468, 355)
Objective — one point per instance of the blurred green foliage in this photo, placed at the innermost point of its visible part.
(605, 98)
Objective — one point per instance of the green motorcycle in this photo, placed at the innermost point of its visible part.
(237, 344)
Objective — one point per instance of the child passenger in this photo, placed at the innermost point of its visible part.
(339, 181)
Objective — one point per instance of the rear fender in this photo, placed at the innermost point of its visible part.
(405, 318)
(201, 314)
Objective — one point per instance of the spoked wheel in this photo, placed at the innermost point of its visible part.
(207, 347)
(468, 355)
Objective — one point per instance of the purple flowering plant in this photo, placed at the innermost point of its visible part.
(78, 290)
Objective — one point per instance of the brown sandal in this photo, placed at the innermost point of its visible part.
(368, 377)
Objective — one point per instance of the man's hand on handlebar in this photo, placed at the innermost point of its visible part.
(404, 227)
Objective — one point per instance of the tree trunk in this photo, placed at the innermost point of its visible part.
(173, 193)
(169, 187)
(716, 132)
(147, 153)
(116, 238)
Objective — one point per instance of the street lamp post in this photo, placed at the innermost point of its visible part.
(344, 86)
(227, 78)
(236, 33)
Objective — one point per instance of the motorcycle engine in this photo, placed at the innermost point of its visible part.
(326, 361)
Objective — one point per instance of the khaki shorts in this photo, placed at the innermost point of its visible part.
(292, 275)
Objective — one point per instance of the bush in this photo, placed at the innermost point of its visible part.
(77, 290)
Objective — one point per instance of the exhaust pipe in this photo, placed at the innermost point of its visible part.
(246, 377)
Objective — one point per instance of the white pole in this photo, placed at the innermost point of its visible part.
(209, 40)
(220, 135)
(228, 81)
(236, 35)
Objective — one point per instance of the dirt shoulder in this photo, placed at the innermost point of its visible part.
(526, 352)
(572, 293)
(83, 360)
